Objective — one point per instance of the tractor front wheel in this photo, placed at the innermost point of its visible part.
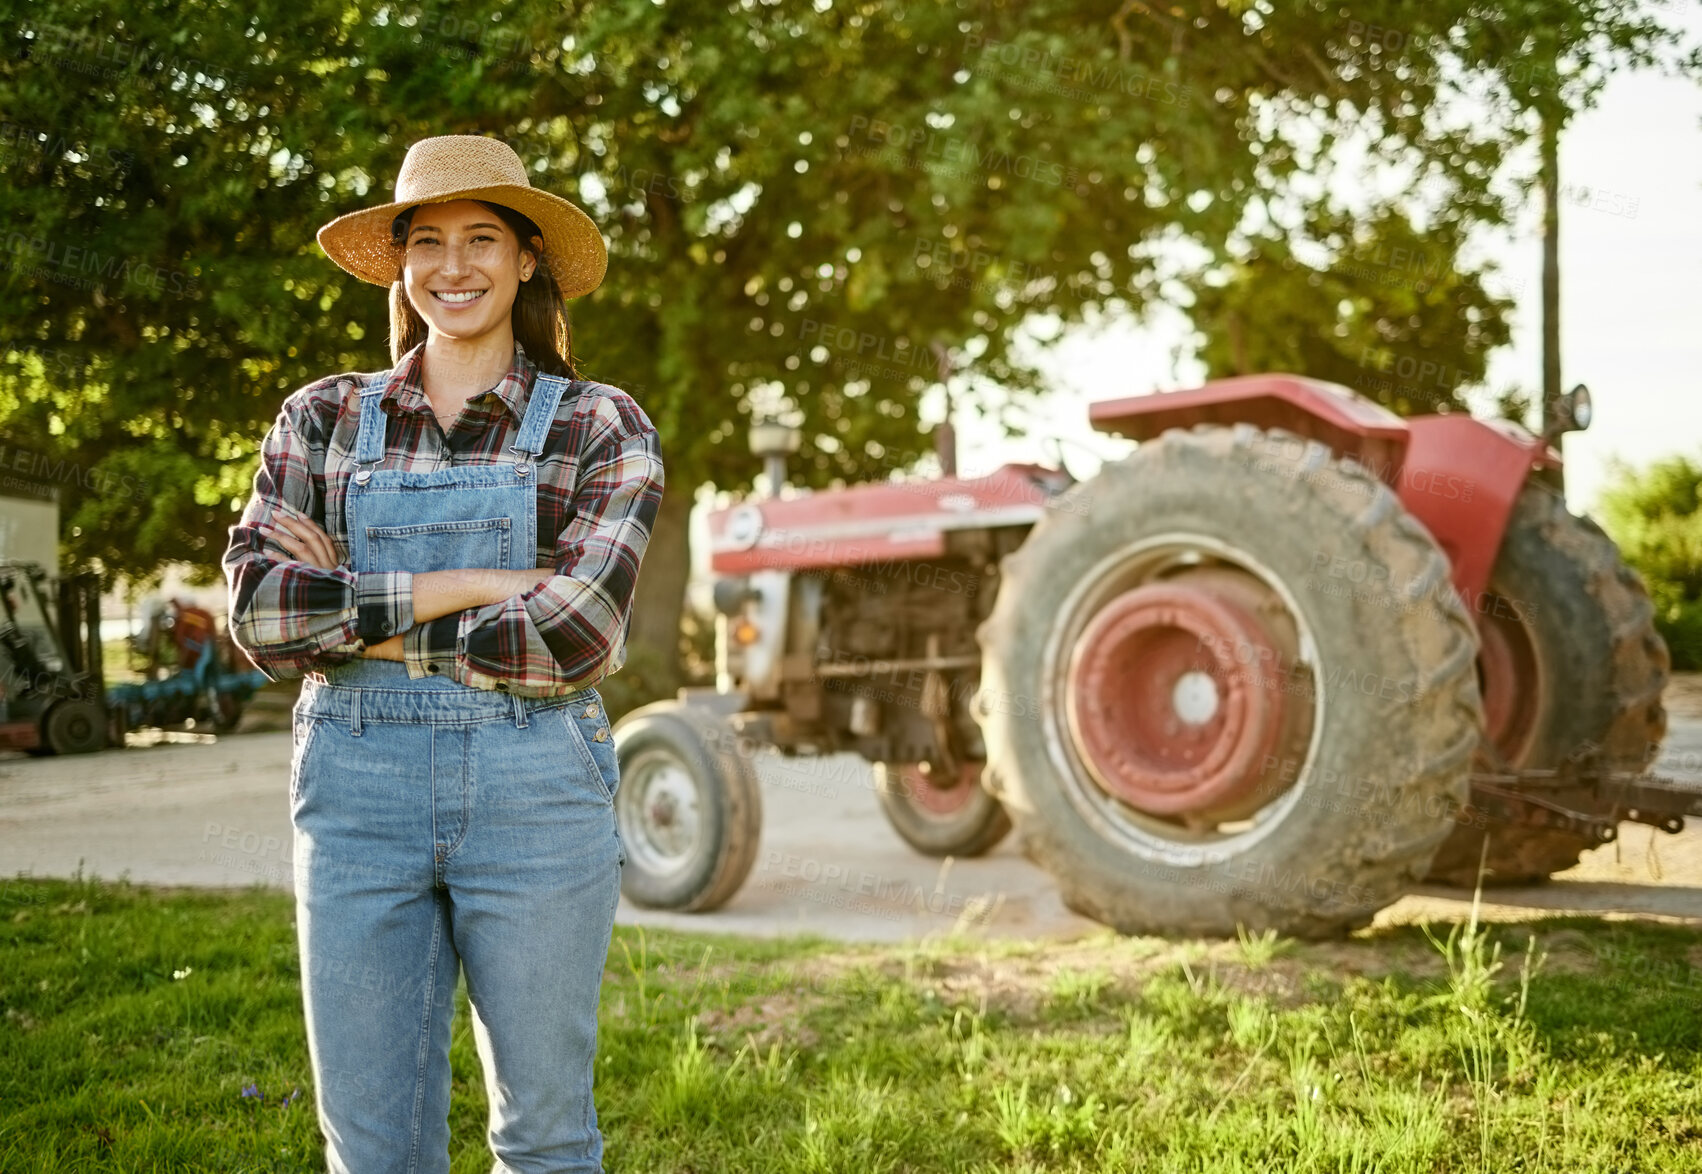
(957, 820)
(689, 807)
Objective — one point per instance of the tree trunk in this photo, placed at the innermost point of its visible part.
(653, 669)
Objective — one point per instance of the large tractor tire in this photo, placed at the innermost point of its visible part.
(1571, 666)
(1221, 690)
(959, 820)
(689, 807)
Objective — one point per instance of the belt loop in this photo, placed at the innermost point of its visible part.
(354, 713)
(520, 719)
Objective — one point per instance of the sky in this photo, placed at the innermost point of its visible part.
(1631, 287)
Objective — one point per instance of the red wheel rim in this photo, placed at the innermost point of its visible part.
(1510, 679)
(927, 795)
(1177, 697)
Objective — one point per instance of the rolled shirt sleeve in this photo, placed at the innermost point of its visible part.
(290, 616)
(570, 631)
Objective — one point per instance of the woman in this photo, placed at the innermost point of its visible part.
(447, 551)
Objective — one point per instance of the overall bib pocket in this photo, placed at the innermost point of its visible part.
(439, 546)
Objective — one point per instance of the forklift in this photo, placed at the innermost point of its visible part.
(52, 689)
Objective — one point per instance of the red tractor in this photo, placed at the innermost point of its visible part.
(1292, 656)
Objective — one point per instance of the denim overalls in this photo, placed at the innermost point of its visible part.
(438, 825)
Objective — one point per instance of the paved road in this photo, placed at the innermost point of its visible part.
(208, 812)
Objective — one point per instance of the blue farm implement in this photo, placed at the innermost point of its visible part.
(207, 693)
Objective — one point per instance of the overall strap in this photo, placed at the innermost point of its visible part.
(369, 437)
(547, 391)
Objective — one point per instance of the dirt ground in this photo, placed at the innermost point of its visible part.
(213, 812)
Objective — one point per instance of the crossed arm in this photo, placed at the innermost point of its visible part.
(296, 607)
(435, 593)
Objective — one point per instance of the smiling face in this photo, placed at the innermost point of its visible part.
(462, 268)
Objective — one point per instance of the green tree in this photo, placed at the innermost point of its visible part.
(1655, 516)
(800, 201)
(1387, 310)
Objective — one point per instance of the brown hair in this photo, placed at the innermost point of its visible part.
(539, 317)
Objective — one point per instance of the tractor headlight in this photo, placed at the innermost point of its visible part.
(732, 593)
(1571, 412)
(1579, 407)
(750, 628)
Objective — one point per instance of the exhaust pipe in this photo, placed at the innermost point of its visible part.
(774, 441)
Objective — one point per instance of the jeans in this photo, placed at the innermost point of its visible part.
(438, 828)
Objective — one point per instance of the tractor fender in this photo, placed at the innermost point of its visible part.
(1458, 475)
(1309, 409)
(1461, 478)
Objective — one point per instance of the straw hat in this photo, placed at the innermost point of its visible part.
(468, 167)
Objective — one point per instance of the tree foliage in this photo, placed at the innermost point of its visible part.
(1655, 516)
(1389, 310)
(800, 200)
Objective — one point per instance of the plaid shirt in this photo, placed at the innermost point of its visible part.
(599, 487)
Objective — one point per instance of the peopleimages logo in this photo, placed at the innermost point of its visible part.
(951, 266)
(1285, 457)
(1074, 76)
(925, 146)
(18, 141)
(44, 469)
(107, 55)
(43, 255)
(827, 882)
(866, 344)
(1418, 372)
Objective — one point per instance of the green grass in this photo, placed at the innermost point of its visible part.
(132, 1019)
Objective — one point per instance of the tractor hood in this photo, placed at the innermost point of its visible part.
(877, 522)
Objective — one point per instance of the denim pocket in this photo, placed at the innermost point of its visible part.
(305, 731)
(589, 726)
(437, 546)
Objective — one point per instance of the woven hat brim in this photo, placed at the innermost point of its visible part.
(359, 242)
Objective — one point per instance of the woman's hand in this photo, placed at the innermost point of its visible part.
(304, 539)
(390, 649)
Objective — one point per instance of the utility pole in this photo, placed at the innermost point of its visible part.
(1550, 178)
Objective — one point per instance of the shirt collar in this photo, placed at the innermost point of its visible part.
(405, 388)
